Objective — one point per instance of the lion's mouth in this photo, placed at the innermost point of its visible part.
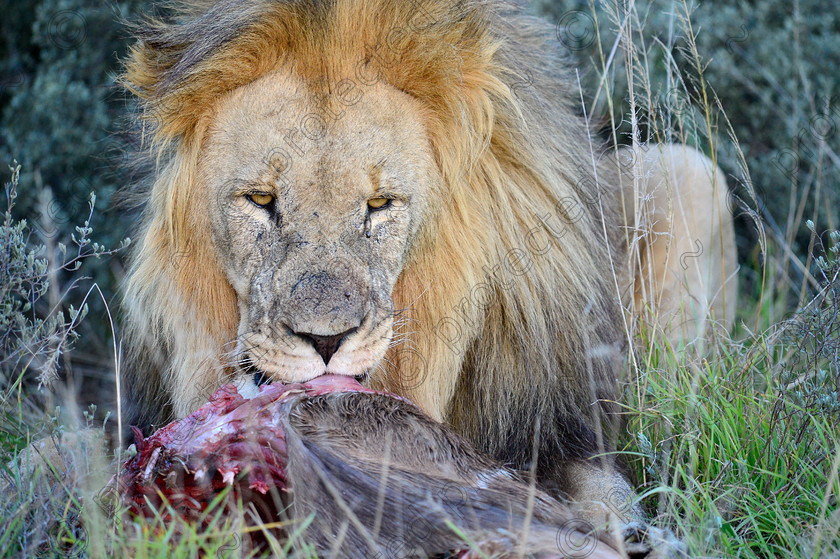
(261, 377)
(327, 381)
(270, 354)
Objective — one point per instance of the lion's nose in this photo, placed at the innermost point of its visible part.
(326, 346)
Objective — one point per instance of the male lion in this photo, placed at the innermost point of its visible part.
(402, 191)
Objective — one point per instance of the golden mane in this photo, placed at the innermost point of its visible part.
(517, 325)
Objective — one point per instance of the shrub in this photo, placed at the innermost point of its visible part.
(34, 330)
(59, 110)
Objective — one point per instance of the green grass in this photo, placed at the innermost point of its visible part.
(731, 462)
(740, 447)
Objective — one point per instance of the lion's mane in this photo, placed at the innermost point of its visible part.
(514, 327)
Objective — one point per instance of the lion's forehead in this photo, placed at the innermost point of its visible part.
(278, 122)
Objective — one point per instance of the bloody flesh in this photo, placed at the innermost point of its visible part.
(365, 464)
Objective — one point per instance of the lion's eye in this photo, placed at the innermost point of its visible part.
(378, 203)
(261, 200)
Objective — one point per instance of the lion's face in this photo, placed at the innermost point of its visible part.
(315, 201)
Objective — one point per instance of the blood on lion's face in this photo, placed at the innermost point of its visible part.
(314, 212)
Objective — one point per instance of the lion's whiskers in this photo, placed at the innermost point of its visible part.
(400, 340)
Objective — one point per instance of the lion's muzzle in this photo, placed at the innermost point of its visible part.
(323, 307)
(304, 323)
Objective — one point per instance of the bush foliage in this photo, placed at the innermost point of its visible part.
(60, 114)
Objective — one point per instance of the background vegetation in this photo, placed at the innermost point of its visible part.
(60, 118)
(739, 450)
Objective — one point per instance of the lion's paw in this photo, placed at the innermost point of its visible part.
(644, 541)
